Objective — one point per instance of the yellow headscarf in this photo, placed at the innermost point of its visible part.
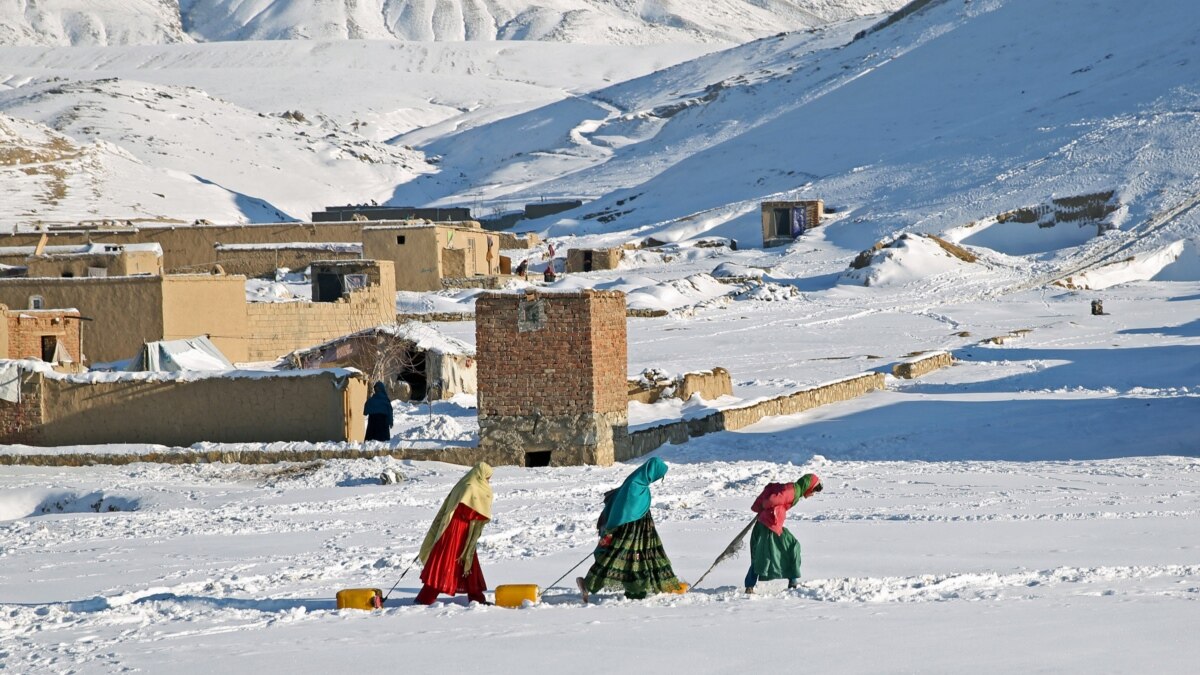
(473, 490)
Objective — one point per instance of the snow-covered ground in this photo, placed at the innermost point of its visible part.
(1031, 508)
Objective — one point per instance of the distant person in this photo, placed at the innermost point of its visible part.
(630, 554)
(774, 551)
(550, 252)
(549, 276)
(448, 552)
(523, 269)
(378, 410)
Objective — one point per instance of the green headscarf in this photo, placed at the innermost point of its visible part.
(632, 499)
(807, 484)
(473, 490)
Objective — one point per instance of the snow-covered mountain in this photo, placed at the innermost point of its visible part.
(90, 22)
(123, 22)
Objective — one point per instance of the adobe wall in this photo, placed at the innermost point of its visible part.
(710, 384)
(510, 240)
(121, 264)
(551, 375)
(24, 330)
(260, 262)
(207, 304)
(125, 311)
(315, 406)
(644, 441)
(922, 364)
(276, 328)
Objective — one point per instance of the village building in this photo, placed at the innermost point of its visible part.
(415, 361)
(785, 221)
(433, 256)
(130, 311)
(84, 260)
(51, 335)
(592, 259)
(552, 386)
(426, 256)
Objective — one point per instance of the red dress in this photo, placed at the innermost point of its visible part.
(443, 571)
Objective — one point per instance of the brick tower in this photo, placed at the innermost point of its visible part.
(552, 376)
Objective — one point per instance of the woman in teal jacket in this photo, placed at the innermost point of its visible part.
(630, 554)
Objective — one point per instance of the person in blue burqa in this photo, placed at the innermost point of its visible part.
(378, 410)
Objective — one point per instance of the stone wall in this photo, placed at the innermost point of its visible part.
(922, 364)
(306, 406)
(644, 441)
(552, 375)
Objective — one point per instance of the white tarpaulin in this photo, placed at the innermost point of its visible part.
(10, 382)
(198, 353)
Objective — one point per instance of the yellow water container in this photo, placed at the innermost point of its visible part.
(360, 598)
(683, 588)
(515, 595)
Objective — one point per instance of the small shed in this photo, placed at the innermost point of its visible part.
(785, 221)
(414, 360)
(591, 259)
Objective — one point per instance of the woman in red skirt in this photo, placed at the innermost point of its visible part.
(451, 565)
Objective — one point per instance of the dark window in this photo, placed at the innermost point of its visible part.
(399, 239)
(537, 458)
(49, 346)
(783, 222)
(68, 275)
(329, 287)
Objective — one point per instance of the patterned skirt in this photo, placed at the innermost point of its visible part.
(634, 561)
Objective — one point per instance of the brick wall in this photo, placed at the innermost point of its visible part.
(26, 329)
(574, 363)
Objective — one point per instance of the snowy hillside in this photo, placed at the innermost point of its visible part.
(294, 162)
(353, 97)
(90, 22)
(120, 22)
(956, 113)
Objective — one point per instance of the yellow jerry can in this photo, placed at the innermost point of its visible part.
(683, 588)
(360, 598)
(515, 595)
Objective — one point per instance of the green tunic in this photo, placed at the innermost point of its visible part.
(774, 556)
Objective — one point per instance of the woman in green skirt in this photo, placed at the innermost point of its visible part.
(630, 554)
(774, 551)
